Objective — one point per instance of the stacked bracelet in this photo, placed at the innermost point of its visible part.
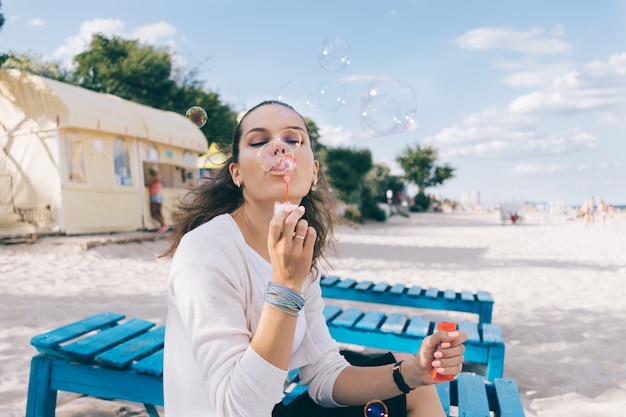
(284, 299)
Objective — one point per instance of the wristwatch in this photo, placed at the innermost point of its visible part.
(399, 379)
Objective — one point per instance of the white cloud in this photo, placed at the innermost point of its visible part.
(499, 133)
(533, 42)
(335, 136)
(79, 43)
(154, 33)
(160, 32)
(533, 169)
(597, 86)
(532, 74)
(37, 22)
(537, 169)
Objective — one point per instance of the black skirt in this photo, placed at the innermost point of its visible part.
(303, 405)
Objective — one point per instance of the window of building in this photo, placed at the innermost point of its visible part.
(75, 157)
(121, 160)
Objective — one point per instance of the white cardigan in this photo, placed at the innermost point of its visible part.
(213, 311)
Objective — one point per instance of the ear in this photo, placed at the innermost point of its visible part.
(316, 168)
(233, 168)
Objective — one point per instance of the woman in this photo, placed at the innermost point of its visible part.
(155, 186)
(244, 302)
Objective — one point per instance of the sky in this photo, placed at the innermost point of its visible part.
(525, 99)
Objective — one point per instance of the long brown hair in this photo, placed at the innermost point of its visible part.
(219, 195)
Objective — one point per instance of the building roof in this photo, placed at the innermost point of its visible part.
(33, 103)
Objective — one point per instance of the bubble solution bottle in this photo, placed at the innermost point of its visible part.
(448, 327)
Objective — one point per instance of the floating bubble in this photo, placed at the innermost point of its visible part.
(296, 94)
(375, 408)
(334, 55)
(277, 156)
(331, 95)
(197, 115)
(388, 107)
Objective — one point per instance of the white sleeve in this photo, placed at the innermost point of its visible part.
(210, 288)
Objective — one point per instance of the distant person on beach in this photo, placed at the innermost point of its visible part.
(155, 185)
(587, 210)
(245, 304)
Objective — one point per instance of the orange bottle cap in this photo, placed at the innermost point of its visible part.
(448, 326)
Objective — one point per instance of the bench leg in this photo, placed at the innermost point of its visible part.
(41, 399)
(495, 362)
(152, 411)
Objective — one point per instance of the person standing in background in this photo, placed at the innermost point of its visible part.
(155, 185)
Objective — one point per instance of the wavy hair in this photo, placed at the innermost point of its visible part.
(219, 195)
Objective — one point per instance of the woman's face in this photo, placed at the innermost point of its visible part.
(259, 127)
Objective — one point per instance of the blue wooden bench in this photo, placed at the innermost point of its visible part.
(108, 357)
(479, 302)
(403, 333)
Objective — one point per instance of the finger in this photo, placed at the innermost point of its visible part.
(291, 222)
(301, 231)
(310, 238)
(277, 223)
(449, 370)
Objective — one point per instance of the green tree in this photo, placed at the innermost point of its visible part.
(1, 18)
(379, 180)
(3, 56)
(125, 68)
(346, 168)
(419, 167)
(35, 64)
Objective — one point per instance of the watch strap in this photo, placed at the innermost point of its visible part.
(399, 379)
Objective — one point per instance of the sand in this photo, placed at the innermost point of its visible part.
(559, 287)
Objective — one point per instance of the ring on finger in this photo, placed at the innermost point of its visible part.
(299, 237)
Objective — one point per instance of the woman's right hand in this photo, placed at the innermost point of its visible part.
(290, 243)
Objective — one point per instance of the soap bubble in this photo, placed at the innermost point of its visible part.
(334, 55)
(375, 408)
(296, 94)
(388, 107)
(331, 95)
(277, 156)
(197, 115)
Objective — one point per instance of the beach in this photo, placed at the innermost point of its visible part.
(559, 291)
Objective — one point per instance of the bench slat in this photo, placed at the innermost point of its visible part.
(419, 327)
(71, 331)
(346, 283)
(508, 398)
(472, 400)
(471, 329)
(380, 287)
(414, 291)
(395, 323)
(370, 321)
(364, 285)
(397, 289)
(151, 365)
(432, 292)
(330, 312)
(348, 317)
(492, 333)
(328, 281)
(467, 296)
(90, 346)
(124, 354)
(449, 294)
